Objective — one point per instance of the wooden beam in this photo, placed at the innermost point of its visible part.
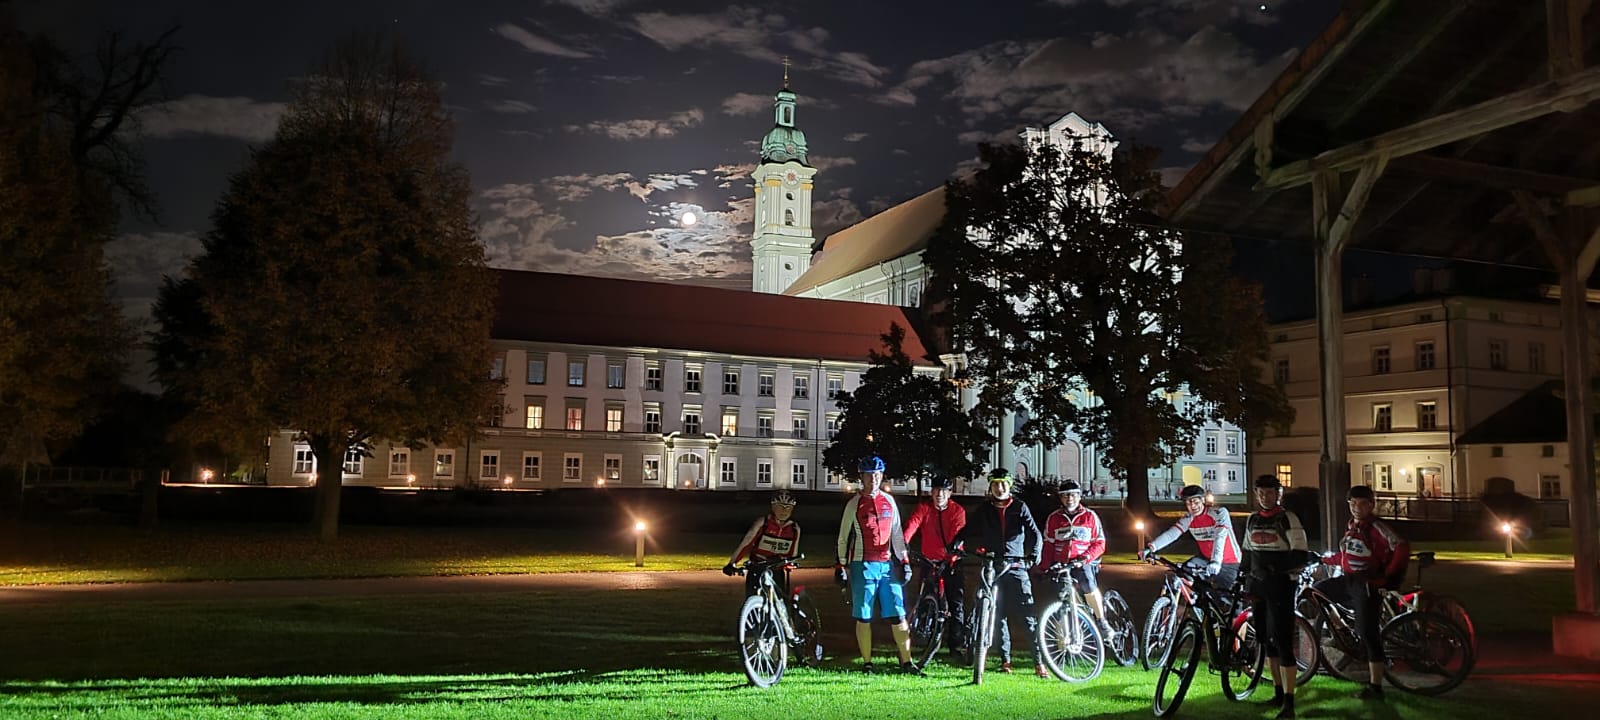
(1356, 200)
(1589, 252)
(1465, 172)
(1573, 91)
(1263, 143)
(1587, 197)
(1413, 48)
(1564, 36)
(1529, 20)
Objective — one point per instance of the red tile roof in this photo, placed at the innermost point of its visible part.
(555, 308)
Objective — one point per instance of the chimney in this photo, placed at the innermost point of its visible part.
(1362, 290)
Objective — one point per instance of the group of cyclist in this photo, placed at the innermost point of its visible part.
(873, 561)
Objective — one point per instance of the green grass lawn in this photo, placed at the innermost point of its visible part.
(1552, 545)
(546, 654)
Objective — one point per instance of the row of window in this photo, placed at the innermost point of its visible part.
(489, 468)
(1425, 359)
(1232, 444)
(534, 419)
(1427, 416)
(692, 378)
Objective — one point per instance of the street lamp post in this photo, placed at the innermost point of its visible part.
(1506, 529)
(1138, 525)
(638, 543)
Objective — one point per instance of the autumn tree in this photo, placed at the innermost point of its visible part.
(341, 292)
(65, 162)
(1074, 303)
(913, 420)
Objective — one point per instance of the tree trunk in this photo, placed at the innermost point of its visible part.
(1138, 500)
(330, 482)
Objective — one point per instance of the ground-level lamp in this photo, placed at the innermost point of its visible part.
(1506, 529)
(638, 543)
(206, 474)
(1138, 525)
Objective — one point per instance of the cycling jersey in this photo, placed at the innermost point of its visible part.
(1374, 551)
(939, 528)
(1006, 529)
(1274, 541)
(870, 530)
(769, 538)
(1067, 536)
(1213, 532)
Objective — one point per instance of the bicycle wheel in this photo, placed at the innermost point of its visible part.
(1070, 642)
(1342, 654)
(808, 625)
(927, 628)
(1453, 610)
(1159, 627)
(761, 645)
(1244, 656)
(1123, 645)
(1177, 671)
(1428, 654)
(983, 634)
(1307, 652)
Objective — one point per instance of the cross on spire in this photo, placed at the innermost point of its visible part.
(786, 72)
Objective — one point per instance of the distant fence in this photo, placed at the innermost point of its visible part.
(85, 478)
(1470, 510)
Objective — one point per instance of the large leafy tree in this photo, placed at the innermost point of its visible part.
(1072, 301)
(65, 160)
(912, 420)
(342, 291)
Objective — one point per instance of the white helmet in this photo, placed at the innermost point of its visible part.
(782, 497)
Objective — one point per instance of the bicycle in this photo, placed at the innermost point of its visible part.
(981, 619)
(1161, 623)
(1427, 653)
(1307, 649)
(771, 622)
(931, 614)
(1205, 623)
(1072, 646)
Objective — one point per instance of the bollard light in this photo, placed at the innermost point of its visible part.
(638, 543)
(507, 481)
(1506, 529)
(600, 482)
(206, 474)
(1139, 526)
(411, 478)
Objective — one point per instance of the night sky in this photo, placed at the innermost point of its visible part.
(588, 126)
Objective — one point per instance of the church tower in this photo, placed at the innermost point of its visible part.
(782, 244)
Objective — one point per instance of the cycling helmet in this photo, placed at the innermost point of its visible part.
(1191, 491)
(939, 484)
(782, 497)
(1005, 482)
(872, 463)
(1264, 482)
(999, 473)
(1069, 488)
(1361, 491)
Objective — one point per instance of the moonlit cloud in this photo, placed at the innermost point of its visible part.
(535, 43)
(234, 117)
(642, 128)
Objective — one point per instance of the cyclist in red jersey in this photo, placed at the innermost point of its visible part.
(941, 522)
(1373, 557)
(774, 535)
(1213, 532)
(1073, 533)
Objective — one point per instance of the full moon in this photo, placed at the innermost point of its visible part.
(689, 219)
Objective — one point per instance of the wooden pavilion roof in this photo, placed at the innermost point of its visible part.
(1383, 74)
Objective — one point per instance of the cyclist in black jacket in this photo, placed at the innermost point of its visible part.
(1004, 526)
(1274, 551)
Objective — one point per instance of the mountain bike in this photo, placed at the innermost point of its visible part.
(1161, 623)
(985, 607)
(1072, 646)
(931, 615)
(1206, 625)
(1396, 603)
(772, 621)
(1307, 648)
(1427, 653)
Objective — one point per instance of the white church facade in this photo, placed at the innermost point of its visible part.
(879, 261)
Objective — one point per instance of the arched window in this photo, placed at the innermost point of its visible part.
(788, 217)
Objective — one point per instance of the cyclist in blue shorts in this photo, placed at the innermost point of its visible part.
(872, 546)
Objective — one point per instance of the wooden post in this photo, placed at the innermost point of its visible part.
(1334, 212)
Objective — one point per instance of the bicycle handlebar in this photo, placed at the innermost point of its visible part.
(788, 562)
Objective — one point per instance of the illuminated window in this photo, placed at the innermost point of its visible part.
(730, 422)
(1285, 473)
(571, 467)
(574, 418)
(399, 463)
(613, 419)
(444, 464)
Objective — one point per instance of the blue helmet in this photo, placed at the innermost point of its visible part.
(872, 463)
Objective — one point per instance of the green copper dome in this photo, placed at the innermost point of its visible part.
(784, 142)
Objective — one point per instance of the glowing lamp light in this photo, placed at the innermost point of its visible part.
(639, 526)
(1507, 530)
(600, 482)
(638, 543)
(411, 478)
(508, 480)
(206, 474)
(689, 219)
(1139, 526)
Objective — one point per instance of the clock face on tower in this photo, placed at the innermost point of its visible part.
(791, 177)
